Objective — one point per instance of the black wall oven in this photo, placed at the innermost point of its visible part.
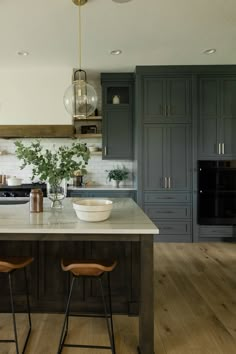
(217, 192)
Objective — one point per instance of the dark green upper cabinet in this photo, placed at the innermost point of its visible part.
(217, 121)
(166, 100)
(167, 157)
(117, 111)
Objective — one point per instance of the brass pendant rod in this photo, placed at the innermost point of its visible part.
(79, 2)
(80, 57)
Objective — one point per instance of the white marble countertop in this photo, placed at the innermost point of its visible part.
(126, 218)
(102, 188)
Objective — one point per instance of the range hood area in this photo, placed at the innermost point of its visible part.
(36, 131)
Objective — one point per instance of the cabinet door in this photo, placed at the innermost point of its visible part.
(179, 157)
(154, 100)
(209, 123)
(178, 100)
(228, 117)
(154, 157)
(118, 134)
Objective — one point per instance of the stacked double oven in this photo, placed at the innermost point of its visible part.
(217, 192)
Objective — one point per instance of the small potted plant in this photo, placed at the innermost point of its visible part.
(118, 174)
(55, 167)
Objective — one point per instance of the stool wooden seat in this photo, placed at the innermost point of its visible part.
(92, 268)
(9, 265)
(88, 267)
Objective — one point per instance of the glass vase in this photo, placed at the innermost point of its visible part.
(56, 192)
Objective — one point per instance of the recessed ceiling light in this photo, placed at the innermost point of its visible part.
(121, 1)
(210, 51)
(116, 52)
(23, 53)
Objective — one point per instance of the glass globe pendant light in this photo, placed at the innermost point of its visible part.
(80, 98)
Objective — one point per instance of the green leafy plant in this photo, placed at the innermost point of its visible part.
(56, 165)
(118, 173)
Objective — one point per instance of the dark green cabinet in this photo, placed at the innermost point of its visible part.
(166, 100)
(117, 117)
(167, 157)
(217, 118)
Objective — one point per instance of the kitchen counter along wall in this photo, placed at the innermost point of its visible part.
(10, 165)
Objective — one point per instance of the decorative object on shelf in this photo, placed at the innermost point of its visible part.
(118, 174)
(88, 129)
(54, 167)
(80, 98)
(116, 99)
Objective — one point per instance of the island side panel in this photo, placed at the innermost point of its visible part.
(146, 312)
(49, 284)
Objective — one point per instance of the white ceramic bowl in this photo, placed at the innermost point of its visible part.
(93, 210)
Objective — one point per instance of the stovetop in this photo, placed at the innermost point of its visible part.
(20, 191)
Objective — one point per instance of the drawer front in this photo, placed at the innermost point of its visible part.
(168, 212)
(167, 197)
(216, 231)
(102, 194)
(173, 227)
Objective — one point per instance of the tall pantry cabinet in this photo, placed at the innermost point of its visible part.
(163, 151)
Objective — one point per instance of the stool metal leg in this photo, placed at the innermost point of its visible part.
(28, 310)
(13, 312)
(110, 307)
(107, 317)
(65, 324)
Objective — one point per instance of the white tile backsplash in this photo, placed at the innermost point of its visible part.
(10, 165)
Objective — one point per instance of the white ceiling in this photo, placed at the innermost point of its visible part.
(149, 32)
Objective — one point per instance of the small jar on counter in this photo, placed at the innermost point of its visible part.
(36, 201)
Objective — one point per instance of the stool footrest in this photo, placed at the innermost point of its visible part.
(86, 346)
(88, 315)
(7, 341)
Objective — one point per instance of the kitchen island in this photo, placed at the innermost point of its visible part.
(127, 236)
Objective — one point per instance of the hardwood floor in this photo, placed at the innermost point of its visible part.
(195, 308)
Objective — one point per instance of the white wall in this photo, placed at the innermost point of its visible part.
(34, 96)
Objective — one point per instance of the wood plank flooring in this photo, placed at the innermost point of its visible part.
(195, 308)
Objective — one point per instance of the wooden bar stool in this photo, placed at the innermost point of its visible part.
(91, 269)
(9, 265)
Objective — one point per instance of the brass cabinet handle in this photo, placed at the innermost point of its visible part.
(169, 185)
(223, 148)
(219, 148)
(105, 151)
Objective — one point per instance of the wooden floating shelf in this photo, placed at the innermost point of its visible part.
(98, 153)
(87, 136)
(36, 131)
(89, 118)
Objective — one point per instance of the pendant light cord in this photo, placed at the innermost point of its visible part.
(80, 60)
